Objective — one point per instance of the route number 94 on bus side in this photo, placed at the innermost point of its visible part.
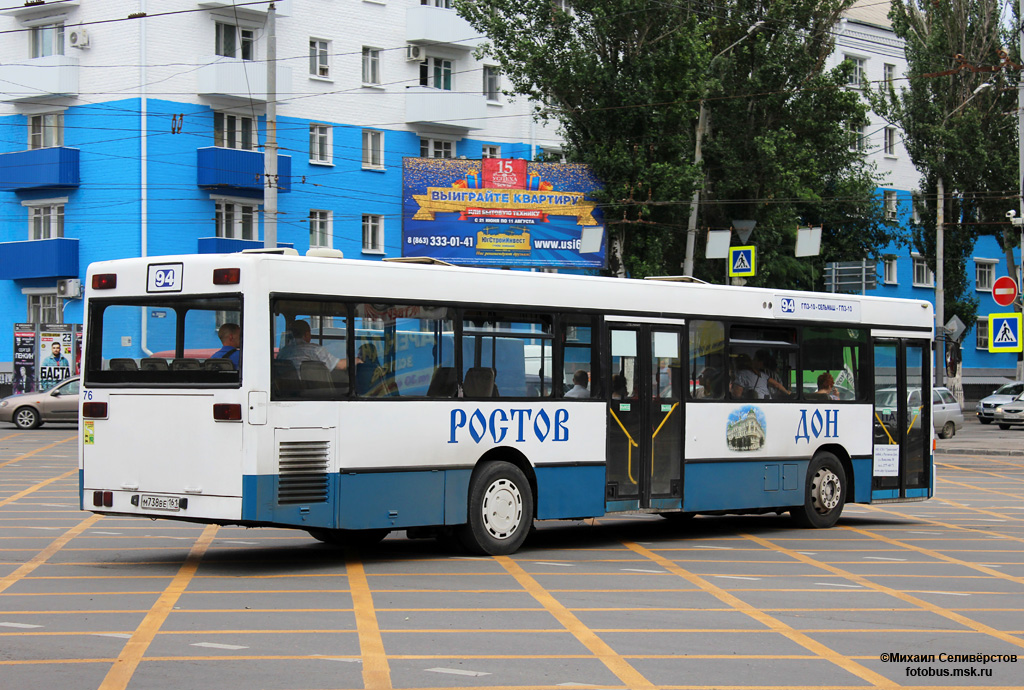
(351, 399)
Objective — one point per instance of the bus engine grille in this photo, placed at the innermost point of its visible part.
(303, 468)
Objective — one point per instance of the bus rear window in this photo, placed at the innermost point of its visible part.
(171, 342)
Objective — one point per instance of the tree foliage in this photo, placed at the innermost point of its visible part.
(957, 111)
(625, 81)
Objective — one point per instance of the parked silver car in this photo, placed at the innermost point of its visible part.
(986, 407)
(947, 415)
(1011, 413)
(29, 410)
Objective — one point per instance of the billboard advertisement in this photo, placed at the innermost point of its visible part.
(24, 378)
(56, 352)
(501, 212)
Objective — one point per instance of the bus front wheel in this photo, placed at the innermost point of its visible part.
(824, 493)
(500, 510)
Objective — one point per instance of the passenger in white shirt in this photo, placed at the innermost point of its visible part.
(580, 381)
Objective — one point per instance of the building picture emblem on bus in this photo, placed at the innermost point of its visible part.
(746, 429)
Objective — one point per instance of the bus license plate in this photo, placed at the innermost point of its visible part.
(160, 503)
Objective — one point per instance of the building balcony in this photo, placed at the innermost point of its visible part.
(56, 258)
(454, 109)
(33, 78)
(283, 7)
(436, 25)
(240, 79)
(236, 170)
(39, 7)
(39, 169)
(227, 245)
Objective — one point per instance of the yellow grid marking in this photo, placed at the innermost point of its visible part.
(44, 555)
(34, 452)
(376, 671)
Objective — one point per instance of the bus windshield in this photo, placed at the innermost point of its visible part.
(164, 341)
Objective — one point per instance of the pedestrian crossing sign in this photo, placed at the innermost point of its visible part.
(1004, 331)
(741, 262)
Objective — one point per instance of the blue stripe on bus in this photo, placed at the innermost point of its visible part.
(885, 493)
(743, 485)
(860, 483)
(570, 492)
(396, 500)
(81, 489)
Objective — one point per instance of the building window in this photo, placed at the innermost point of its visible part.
(319, 143)
(889, 270)
(923, 276)
(319, 58)
(373, 233)
(551, 155)
(320, 229)
(236, 221)
(981, 334)
(858, 138)
(45, 221)
(856, 79)
(490, 152)
(437, 148)
(46, 40)
(371, 65)
(235, 42)
(45, 308)
(436, 73)
(373, 149)
(45, 131)
(890, 141)
(492, 83)
(889, 74)
(446, 4)
(891, 204)
(234, 131)
(984, 275)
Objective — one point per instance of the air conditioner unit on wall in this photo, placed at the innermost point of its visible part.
(69, 288)
(413, 53)
(78, 38)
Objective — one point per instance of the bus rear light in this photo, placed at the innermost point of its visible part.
(227, 276)
(94, 410)
(104, 499)
(104, 281)
(225, 412)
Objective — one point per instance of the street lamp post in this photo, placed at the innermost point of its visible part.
(698, 156)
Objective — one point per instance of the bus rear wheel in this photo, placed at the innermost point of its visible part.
(824, 493)
(500, 510)
(349, 537)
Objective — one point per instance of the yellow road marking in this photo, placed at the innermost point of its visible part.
(615, 663)
(45, 554)
(902, 596)
(120, 674)
(32, 489)
(37, 450)
(770, 622)
(940, 556)
(979, 488)
(977, 471)
(376, 671)
(939, 523)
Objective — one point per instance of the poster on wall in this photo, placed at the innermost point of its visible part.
(502, 212)
(24, 376)
(56, 352)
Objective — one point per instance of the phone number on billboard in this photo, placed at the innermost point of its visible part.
(443, 241)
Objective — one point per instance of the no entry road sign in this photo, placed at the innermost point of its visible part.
(1004, 291)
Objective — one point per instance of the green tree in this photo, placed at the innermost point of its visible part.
(957, 112)
(625, 81)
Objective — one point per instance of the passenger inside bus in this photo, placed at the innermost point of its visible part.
(753, 380)
(230, 335)
(580, 380)
(300, 348)
(619, 391)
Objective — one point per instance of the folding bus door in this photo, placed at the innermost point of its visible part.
(645, 425)
(902, 423)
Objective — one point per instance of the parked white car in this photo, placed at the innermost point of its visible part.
(947, 415)
(986, 407)
(1011, 413)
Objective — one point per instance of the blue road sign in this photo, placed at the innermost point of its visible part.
(741, 262)
(1004, 331)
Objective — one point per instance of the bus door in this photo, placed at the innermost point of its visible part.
(645, 424)
(902, 436)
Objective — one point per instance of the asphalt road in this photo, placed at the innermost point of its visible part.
(637, 602)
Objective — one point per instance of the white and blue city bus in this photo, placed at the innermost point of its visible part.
(444, 409)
